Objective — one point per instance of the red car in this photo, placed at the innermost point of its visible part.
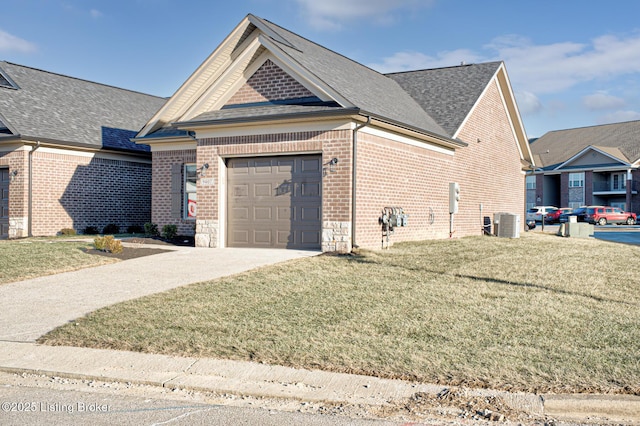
(603, 215)
(554, 216)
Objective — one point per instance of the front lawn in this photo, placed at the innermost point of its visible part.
(539, 313)
(34, 257)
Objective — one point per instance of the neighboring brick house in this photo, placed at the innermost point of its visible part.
(66, 158)
(280, 142)
(596, 165)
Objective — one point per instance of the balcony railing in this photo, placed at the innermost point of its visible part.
(607, 187)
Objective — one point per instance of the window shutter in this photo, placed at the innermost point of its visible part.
(176, 191)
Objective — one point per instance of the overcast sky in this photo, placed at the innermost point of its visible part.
(572, 63)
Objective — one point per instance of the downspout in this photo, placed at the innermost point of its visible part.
(30, 213)
(353, 181)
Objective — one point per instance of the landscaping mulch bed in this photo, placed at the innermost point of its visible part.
(140, 250)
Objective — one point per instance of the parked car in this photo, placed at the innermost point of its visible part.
(535, 214)
(564, 217)
(554, 216)
(602, 215)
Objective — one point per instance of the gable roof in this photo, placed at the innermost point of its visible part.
(430, 104)
(448, 94)
(51, 107)
(619, 140)
(340, 81)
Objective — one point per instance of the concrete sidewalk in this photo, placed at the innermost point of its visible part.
(37, 306)
(260, 380)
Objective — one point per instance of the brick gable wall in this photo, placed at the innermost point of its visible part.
(269, 83)
(489, 169)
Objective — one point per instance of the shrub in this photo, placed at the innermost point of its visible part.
(91, 230)
(68, 232)
(169, 232)
(108, 244)
(111, 228)
(135, 229)
(151, 229)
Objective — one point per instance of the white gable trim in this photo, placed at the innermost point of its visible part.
(599, 151)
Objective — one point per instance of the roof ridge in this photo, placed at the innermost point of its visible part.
(81, 79)
(319, 45)
(442, 68)
(592, 126)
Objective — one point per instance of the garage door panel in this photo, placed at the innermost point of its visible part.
(311, 165)
(262, 190)
(283, 197)
(262, 213)
(285, 166)
(262, 167)
(240, 191)
(309, 214)
(310, 237)
(310, 189)
(262, 237)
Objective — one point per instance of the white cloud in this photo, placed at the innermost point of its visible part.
(619, 116)
(403, 61)
(528, 103)
(602, 100)
(95, 13)
(11, 43)
(559, 66)
(333, 14)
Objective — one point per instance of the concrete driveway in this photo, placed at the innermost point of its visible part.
(33, 307)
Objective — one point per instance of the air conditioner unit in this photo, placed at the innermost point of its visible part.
(509, 226)
(496, 223)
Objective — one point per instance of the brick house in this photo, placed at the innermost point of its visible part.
(66, 158)
(275, 141)
(595, 165)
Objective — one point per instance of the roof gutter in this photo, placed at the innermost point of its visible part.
(354, 180)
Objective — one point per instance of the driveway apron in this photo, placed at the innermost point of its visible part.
(34, 307)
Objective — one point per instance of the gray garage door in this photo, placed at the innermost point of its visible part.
(4, 203)
(274, 202)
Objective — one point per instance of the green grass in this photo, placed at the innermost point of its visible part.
(34, 257)
(538, 313)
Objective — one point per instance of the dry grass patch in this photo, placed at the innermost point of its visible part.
(538, 313)
(23, 259)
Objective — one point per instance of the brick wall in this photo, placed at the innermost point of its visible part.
(17, 161)
(71, 191)
(161, 189)
(488, 170)
(393, 174)
(269, 83)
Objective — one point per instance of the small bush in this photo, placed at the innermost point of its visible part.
(151, 229)
(108, 244)
(135, 229)
(111, 228)
(169, 232)
(91, 230)
(68, 232)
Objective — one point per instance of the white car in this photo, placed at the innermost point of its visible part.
(535, 214)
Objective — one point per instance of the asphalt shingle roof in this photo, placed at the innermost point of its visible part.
(447, 94)
(365, 88)
(556, 147)
(72, 111)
